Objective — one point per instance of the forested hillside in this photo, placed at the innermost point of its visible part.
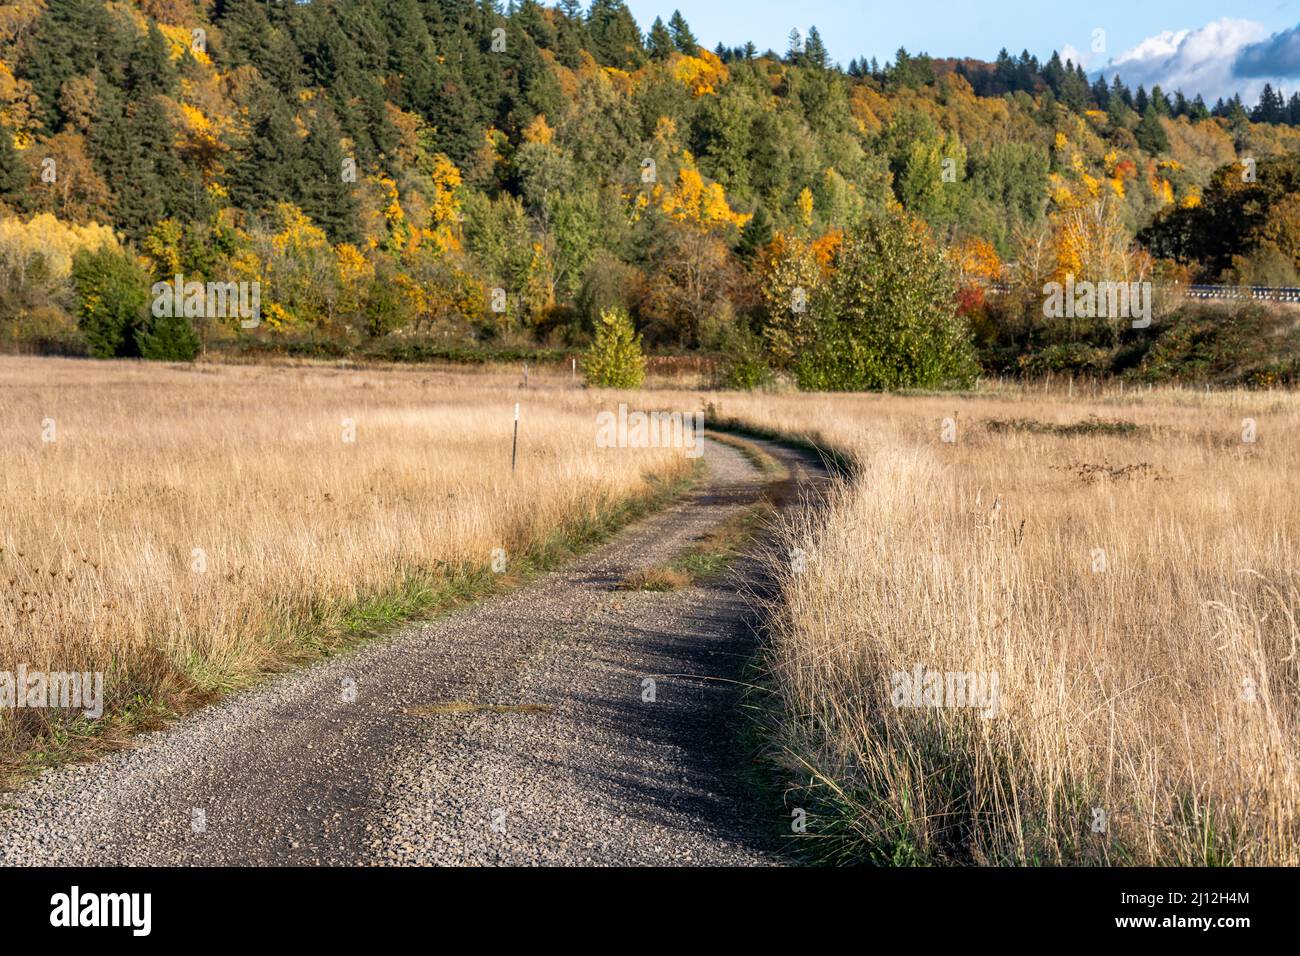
(453, 174)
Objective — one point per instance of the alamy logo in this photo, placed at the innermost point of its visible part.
(651, 430)
(75, 908)
(1098, 300)
(922, 687)
(41, 689)
(209, 300)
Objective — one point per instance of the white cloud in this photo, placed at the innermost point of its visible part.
(1069, 54)
(1197, 61)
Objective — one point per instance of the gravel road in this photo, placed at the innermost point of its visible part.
(335, 764)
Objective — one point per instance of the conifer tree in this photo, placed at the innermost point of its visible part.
(681, 33)
(1150, 134)
(815, 54)
(659, 41)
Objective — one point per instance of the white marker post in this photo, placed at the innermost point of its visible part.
(514, 444)
(575, 370)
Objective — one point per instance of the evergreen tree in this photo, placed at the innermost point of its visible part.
(13, 173)
(1150, 133)
(683, 39)
(1160, 102)
(815, 54)
(149, 71)
(533, 22)
(270, 166)
(756, 234)
(325, 196)
(1004, 73)
(1271, 108)
(411, 55)
(128, 144)
(1121, 92)
(1054, 73)
(659, 41)
(69, 38)
(794, 48)
(1101, 93)
(1117, 110)
(615, 38)
(571, 31)
(1074, 91)
(168, 338)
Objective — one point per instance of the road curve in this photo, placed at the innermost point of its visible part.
(303, 771)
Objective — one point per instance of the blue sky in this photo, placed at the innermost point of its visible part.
(1189, 43)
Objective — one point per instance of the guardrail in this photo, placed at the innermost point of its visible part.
(1257, 293)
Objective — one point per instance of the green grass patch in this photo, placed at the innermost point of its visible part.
(1092, 425)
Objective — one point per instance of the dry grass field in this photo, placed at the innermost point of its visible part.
(1126, 565)
(185, 529)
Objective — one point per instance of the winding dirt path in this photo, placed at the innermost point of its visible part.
(302, 771)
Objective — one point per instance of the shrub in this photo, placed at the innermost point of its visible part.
(1076, 358)
(615, 359)
(744, 364)
(168, 338)
(113, 300)
(44, 330)
(1252, 346)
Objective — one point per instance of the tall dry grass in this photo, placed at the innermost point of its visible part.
(1148, 709)
(188, 528)
(1161, 691)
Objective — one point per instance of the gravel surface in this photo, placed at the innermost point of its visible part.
(336, 764)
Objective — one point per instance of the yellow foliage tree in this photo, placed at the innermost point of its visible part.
(690, 200)
(974, 261)
(703, 75)
(55, 241)
(805, 206)
(444, 209)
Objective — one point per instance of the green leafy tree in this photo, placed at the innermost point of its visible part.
(615, 359)
(887, 318)
(113, 300)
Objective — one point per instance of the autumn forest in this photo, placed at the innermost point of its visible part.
(405, 180)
